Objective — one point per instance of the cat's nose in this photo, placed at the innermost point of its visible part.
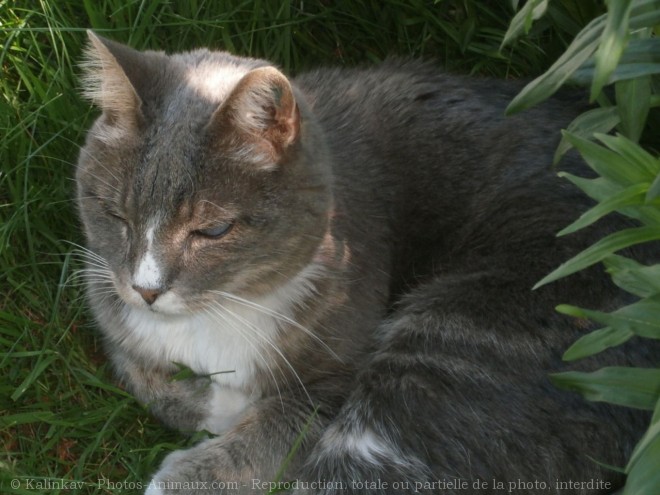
(149, 295)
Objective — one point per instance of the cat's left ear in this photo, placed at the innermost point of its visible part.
(260, 117)
(117, 78)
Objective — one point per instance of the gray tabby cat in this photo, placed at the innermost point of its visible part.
(344, 258)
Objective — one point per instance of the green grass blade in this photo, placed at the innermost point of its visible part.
(46, 359)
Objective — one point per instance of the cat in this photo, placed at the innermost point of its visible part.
(344, 260)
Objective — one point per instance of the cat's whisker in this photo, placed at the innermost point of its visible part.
(278, 316)
(82, 250)
(268, 341)
(91, 259)
(212, 311)
(76, 280)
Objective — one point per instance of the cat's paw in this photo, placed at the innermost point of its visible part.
(205, 468)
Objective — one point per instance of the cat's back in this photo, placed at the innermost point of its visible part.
(435, 155)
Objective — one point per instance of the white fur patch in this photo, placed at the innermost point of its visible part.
(229, 341)
(148, 274)
(226, 406)
(207, 345)
(364, 444)
(212, 80)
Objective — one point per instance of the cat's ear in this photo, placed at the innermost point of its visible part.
(260, 116)
(113, 75)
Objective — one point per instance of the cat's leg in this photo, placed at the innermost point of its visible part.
(248, 457)
(456, 399)
(188, 404)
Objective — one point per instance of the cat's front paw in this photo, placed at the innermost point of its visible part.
(206, 468)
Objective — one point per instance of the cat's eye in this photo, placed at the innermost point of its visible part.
(215, 232)
(117, 216)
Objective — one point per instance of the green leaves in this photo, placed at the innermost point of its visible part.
(595, 342)
(641, 318)
(642, 468)
(522, 22)
(631, 387)
(633, 277)
(612, 43)
(604, 247)
(627, 173)
(545, 85)
(585, 125)
(615, 48)
(632, 195)
(600, 54)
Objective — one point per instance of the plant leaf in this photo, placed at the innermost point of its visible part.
(596, 342)
(623, 72)
(579, 51)
(646, 164)
(601, 249)
(640, 58)
(641, 318)
(612, 43)
(651, 435)
(607, 163)
(645, 13)
(654, 190)
(633, 277)
(638, 388)
(522, 21)
(633, 195)
(644, 475)
(602, 119)
(598, 189)
(634, 102)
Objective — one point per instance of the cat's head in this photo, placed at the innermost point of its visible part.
(205, 172)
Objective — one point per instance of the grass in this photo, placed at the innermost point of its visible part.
(62, 415)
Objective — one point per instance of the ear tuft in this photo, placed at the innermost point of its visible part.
(106, 83)
(261, 113)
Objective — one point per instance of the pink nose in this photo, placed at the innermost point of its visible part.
(149, 295)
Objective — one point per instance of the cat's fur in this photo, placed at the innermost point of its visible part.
(384, 227)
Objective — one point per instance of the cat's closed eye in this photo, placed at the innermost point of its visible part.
(215, 232)
(116, 216)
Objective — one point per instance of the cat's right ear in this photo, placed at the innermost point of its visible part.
(260, 120)
(112, 78)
